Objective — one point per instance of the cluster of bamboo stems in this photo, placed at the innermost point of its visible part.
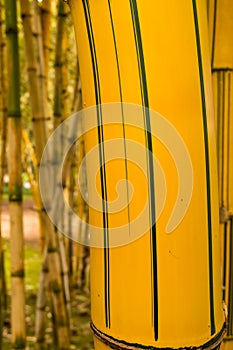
(220, 15)
(62, 265)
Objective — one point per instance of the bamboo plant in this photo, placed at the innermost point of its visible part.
(46, 36)
(145, 294)
(3, 129)
(34, 54)
(15, 180)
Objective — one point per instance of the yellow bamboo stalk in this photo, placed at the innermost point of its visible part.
(162, 290)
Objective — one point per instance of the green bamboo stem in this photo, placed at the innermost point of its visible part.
(42, 300)
(3, 108)
(77, 97)
(62, 14)
(58, 110)
(39, 53)
(46, 37)
(2, 168)
(15, 180)
(65, 271)
(66, 108)
(34, 68)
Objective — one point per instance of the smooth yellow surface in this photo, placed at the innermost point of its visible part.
(101, 346)
(226, 344)
(171, 62)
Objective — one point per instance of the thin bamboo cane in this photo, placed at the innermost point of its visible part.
(64, 271)
(59, 64)
(69, 174)
(82, 252)
(220, 33)
(67, 217)
(42, 300)
(77, 96)
(66, 109)
(59, 303)
(40, 324)
(3, 108)
(40, 136)
(68, 188)
(46, 36)
(3, 119)
(66, 106)
(38, 47)
(59, 115)
(15, 180)
(58, 103)
(37, 97)
(31, 169)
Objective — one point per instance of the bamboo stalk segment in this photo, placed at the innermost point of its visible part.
(15, 180)
(59, 65)
(46, 35)
(161, 290)
(37, 98)
(3, 164)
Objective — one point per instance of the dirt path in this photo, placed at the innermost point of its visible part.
(30, 222)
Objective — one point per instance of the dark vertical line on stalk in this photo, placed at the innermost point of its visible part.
(90, 34)
(223, 138)
(208, 194)
(122, 107)
(225, 261)
(151, 194)
(230, 298)
(228, 139)
(218, 129)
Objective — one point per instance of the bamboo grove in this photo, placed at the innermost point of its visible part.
(57, 58)
(38, 38)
